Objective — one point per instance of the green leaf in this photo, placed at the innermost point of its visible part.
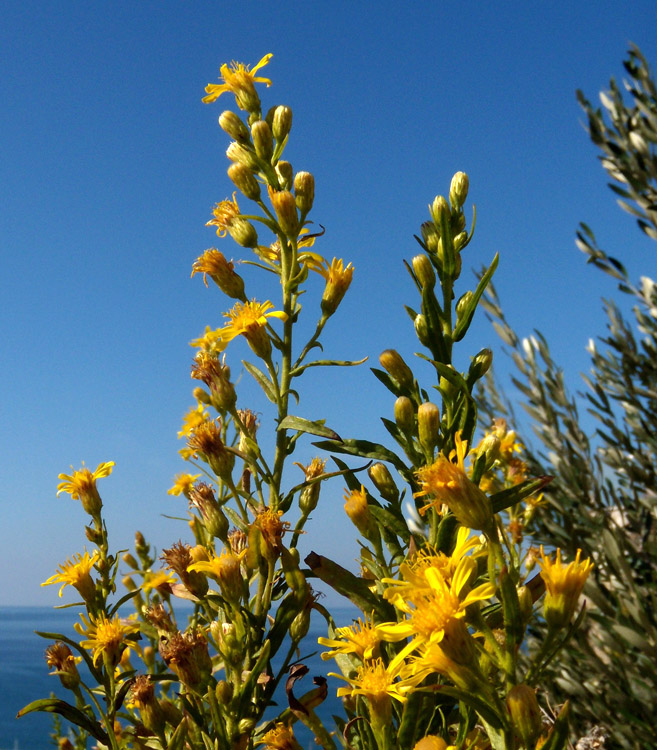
(263, 381)
(328, 363)
(558, 739)
(305, 425)
(504, 499)
(362, 448)
(465, 319)
(70, 713)
(389, 383)
(391, 521)
(122, 600)
(346, 583)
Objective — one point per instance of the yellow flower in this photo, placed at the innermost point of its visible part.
(430, 612)
(227, 219)
(225, 212)
(564, 584)
(338, 278)
(249, 320)
(433, 742)
(76, 573)
(210, 341)
(361, 639)
(447, 482)
(239, 80)
(281, 737)
(376, 681)
(159, 580)
(221, 271)
(226, 570)
(193, 419)
(183, 483)
(355, 507)
(81, 485)
(105, 637)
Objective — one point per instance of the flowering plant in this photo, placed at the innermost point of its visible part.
(446, 588)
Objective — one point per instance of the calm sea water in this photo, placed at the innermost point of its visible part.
(24, 674)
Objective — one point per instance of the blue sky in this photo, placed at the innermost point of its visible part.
(111, 164)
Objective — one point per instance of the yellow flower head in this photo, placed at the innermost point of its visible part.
(182, 484)
(272, 529)
(446, 480)
(376, 681)
(195, 417)
(249, 320)
(159, 580)
(105, 637)
(81, 485)
(338, 278)
(213, 263)
(360, 639)
(239, 80)
(225, 213)
(281, 737)
(60, 659)
(226, 570)
(356, 508)
(76, 573)
(210, 342)
(430, 611)
(564, 584)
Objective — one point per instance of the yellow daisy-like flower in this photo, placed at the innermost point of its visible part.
(447, 481)
(429, 612)
(564, 584)
(239, 80)
(413, 570)
(361, 639)
(210, 342)
(249, 319)
(81, 485)
(159, 580)
(225, 213)
(281, 737)
(105, 637)
(376, 681)
(76, 573)
(192, 420)
(226, 570)
(183, 483)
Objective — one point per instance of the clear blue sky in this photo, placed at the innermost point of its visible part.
(111, 164)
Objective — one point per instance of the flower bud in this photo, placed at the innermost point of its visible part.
(281, 122)
(202, 396)
(356, 508)
(224, 692)
(243, 232)
(463, 304)
(285, 174)
(428, 426)
(244, 180)
(430, 236)
(422, 330)
(128, 559)
(241, 155)
(232, 124)
(439, 208)
(405, 415)
(128, 583)
(304, 191)
(383, 481)
(300, 625)
(431, 742)
(262, 140)
(424, 271)
(458, 190)
(481, 363)
(525, 713)
(393, 363)
(60, 658)
(460, 241)
(286, 211)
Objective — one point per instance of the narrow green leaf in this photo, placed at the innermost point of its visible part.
(364, 449)
(70, 713)
(504, 499)
(328, 363)
(466, 316)
(305, 425)
(391, 521)
(263, 381)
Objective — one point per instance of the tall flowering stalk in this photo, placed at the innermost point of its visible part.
(435, 659)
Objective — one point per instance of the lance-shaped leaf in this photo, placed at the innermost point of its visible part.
(246, 694)
(70, 713)
(486, 711)
(391, 521)
(558, 737)
(328, 363)
(346, 583)
(465, 318)
(506, 498)
(263, 381)
(513, 626)
(305, 425)
(364, 449)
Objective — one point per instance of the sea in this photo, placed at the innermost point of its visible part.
(24, 674)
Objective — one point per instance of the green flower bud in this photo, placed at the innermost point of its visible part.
(263, 140)
(430, 236)
(242, 155)
(393, 363)
(481, 364)
(458, 190)
(383, 481)
(300, 625)
(286, 211)
(281, 122)
(285, 174)
(428, 425)
(405, 415)
(245, 180)
(525, 713)
(438, 208)
(424, 271)
(243, 232)
(422, 330)
(233, 125)
(304, 191)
